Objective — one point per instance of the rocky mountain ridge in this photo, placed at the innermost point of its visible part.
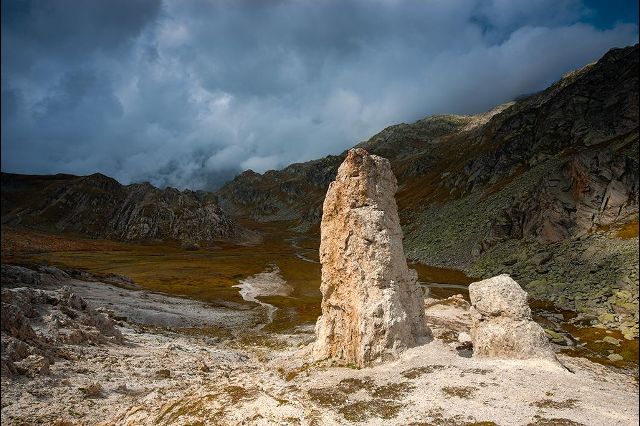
(100, 207)
(544, 188)
(587, 122)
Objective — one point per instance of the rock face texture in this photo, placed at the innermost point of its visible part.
(98, 206)
(372, 305)
(502, 326)
(37, 323)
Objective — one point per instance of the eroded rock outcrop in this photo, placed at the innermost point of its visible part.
(36, 324)
(372, 305)
(502, 326)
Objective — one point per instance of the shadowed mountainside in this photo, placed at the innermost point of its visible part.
(100, 207)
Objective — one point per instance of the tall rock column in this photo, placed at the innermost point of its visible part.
(372, 305)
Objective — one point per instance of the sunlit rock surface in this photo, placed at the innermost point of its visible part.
(372, 305)
(502, 326)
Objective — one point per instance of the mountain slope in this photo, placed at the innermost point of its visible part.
(589, 115)
(100, 207)
(545, 188)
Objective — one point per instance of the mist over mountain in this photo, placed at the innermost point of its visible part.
(189, 94)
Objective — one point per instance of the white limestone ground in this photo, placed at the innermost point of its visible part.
(430, 384)
(145, 307)
(169, 378)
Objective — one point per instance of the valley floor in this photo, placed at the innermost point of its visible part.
(192, 368)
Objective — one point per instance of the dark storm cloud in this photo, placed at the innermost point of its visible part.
(187, 93)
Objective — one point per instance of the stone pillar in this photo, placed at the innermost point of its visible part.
(372, 305)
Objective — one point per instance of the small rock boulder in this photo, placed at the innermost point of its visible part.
(36, 323)
(501, 322)
(500, 296)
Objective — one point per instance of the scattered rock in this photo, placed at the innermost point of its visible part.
(61, 317)
(33, 365)
(123, 389)
(18, 276)
(555, 337)
(372, 305)
(56, 273)
(611, 340)
(464, 337)
(204, 367)
(93, 390)
(606, 318)
(541, 258)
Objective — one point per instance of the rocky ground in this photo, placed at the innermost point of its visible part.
(143, 366)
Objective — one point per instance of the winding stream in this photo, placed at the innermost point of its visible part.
(299, 251)
(266, 283)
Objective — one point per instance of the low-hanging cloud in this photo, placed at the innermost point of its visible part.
(189, 93)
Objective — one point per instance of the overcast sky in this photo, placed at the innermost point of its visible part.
(189, 93)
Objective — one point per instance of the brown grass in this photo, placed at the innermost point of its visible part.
(208, 274)
(393, 390)
(22, 241)
(416, 372)
(556, 405)
(434, 274)
(327, 397)
(465, 392)
(364, 410)
(352, 385)
(543, 421)
(628, 230)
